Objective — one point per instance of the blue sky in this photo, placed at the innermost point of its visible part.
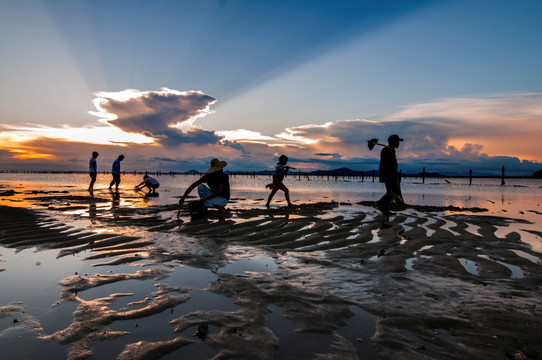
(171, 84)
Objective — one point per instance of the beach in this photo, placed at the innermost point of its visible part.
(455, 275)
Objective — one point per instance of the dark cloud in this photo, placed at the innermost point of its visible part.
(427, 143)
(333, 156)
(158, 114)
(173, 137)
(235, 145)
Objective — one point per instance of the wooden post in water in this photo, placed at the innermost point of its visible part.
(502, 177)
(470, 177)
(423, 175)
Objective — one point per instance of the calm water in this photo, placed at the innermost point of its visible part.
(433, 192)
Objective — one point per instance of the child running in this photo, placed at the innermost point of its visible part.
(280, 170)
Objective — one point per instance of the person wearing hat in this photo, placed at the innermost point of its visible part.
(217, 192)
(390, 176)
(93, 171)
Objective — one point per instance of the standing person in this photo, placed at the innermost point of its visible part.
(115, 171)
(150, 183)
(92, 171)
(390, 176)
(280, 170)
(217, 192)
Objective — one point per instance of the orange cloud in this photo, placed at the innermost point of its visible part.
(26, 155)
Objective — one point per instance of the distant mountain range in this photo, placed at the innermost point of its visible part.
(344, 171)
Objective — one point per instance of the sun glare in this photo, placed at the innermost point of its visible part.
(26, 155)
(244, 135)
(103, 135)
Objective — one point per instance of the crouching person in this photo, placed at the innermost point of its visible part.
(217, 192)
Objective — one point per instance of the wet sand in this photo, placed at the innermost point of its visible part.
(320, 280)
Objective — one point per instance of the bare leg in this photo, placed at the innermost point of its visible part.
(273, 192)
(287, 196)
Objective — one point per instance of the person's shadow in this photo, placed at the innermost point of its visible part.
(115, 202)
(92, 211)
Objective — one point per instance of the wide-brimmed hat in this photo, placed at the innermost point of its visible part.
(216, 165)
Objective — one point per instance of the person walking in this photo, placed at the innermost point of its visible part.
(115, 172)
(278, 176)
(389, 175)
(92, 171)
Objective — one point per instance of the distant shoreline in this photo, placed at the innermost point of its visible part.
(315, 173)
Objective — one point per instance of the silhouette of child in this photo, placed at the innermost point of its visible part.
(280, 170)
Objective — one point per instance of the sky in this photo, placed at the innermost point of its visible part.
(172, 84)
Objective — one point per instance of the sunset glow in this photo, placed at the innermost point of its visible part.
(193, 81)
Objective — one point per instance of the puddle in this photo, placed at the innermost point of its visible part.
(409, 263)
(517, 273)
(473, 229)
(376, 237)
(255, 264)
(296, 345)
(527, 256)
(469, 265)
(361, 327)
(448, 225)
(292, 344)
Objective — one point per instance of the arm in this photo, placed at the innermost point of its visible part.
(190, 188)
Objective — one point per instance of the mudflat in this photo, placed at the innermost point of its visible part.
(127, 279)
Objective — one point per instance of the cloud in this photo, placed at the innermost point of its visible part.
(167, 115)
(449, 135)
(157, 130)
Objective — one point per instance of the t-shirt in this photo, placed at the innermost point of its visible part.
(92, 165)
(280, 171)
(115, 169)
(388, 165)
(152, 181)
(215, 179)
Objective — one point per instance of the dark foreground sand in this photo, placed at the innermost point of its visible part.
(432, 282)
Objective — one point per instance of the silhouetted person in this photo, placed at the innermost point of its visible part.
(92, 171)
(115, 171)
(278, 176)
(390, 176)
(150, 183)
(217, 192)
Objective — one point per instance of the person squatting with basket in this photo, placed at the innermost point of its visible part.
(217, 192)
